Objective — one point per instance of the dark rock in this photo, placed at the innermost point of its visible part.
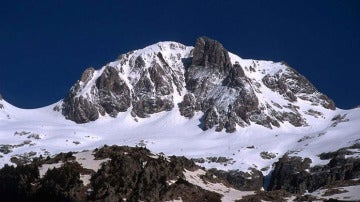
(211, 78)
(134, 175)
(291, 85)
(189, 192)
(289, 174)
(236, 77)
(157, 76)
(210, 53)
(79, 109)
(211, 118)
(148, 106)
(230, 125)
(87, 75)
(110, 95)
(139, 63)
(295, 175)
(144, 86)
(245, 103)
(294, 118)
(187, 106)
(113, 92)
(253, 180)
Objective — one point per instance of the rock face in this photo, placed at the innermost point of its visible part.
(229, 91)
(239, 180)
(113, 92)
(142, 81)
(113, 97)
(218, 88)
(211, 54)
(291, 85)
(295, 175)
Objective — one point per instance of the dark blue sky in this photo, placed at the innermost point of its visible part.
(46, 45)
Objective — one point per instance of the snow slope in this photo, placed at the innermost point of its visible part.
(172, 134)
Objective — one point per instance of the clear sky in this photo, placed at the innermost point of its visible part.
(46, 45)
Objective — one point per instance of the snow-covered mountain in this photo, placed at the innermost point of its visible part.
(203, 102)
(229, 90)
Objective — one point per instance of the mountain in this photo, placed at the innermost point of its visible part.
(259, 123)
(229, 90)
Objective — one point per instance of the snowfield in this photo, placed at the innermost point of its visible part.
(47, 132)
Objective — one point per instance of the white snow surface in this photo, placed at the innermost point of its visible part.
(173, 134)
(228, 193)
(349, 193)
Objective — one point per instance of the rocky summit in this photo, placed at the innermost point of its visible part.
(230, 92)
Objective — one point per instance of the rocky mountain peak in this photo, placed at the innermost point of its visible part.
(229, 91)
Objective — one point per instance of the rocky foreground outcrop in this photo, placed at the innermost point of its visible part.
(135, 174)
(204, 78)
(132, 174)
(295, 175)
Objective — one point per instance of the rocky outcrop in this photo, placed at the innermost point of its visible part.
(209, 53)
(79, 109)
(113, 93)
(112, 97)
(240, 180)
(292, 85)
(290, 174)
(295, 175)
(220, 90)
(154, 89)
(131, 174)
(188, 106)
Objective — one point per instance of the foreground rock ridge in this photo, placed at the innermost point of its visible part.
(230, 92)
(122, 173)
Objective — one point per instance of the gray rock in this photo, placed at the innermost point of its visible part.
(110, 95)
(187, 106)
(295, 175)
(114, 94)
(79, 109)
(87, 75)
(147, 106)
(211, 118)
(210, 77)
(292, 85)
(211, 54)
(251, 181)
